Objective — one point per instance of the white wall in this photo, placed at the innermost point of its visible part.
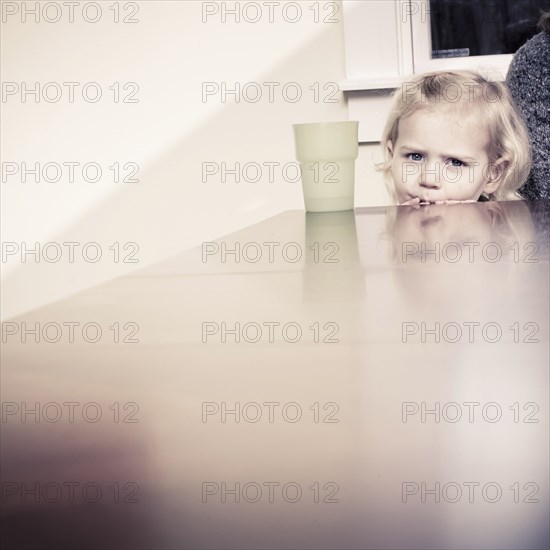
(169, 133)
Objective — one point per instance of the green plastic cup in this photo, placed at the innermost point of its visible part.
(326, 152)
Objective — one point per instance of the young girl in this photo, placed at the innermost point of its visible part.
(453, 136)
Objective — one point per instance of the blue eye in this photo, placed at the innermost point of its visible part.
(415, 156)
(457, 163)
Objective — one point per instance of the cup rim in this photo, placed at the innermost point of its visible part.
(325, 123)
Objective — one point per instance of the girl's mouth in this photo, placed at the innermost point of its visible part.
(423, 201)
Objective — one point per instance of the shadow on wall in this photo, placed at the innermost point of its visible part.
(172, 208)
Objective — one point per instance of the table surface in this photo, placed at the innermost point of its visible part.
(375, 378)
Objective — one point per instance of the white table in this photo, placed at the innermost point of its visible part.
(347, 434)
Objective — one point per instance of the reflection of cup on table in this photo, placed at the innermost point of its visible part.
(333, 270)
(326, 152)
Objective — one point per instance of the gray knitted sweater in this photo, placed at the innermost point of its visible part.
(529, 82)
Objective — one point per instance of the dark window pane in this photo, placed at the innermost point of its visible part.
(483, 27)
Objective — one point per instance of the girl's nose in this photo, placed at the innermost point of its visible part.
(431, 176)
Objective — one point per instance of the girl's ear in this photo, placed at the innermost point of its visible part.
(495, 175)
(389, 145)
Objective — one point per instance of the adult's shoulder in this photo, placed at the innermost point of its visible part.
(529, 82)
(534, 54)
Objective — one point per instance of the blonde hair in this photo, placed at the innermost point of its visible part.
(466, 91)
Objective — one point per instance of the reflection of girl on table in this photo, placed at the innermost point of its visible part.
(469, 227)
(459, 257)
(453, 136)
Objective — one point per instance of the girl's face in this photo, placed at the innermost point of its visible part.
(438, 157)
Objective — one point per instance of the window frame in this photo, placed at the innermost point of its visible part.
(410, 28)
(494, 67)
(385, 41)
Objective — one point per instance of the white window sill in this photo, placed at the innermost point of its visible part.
(492, 67)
